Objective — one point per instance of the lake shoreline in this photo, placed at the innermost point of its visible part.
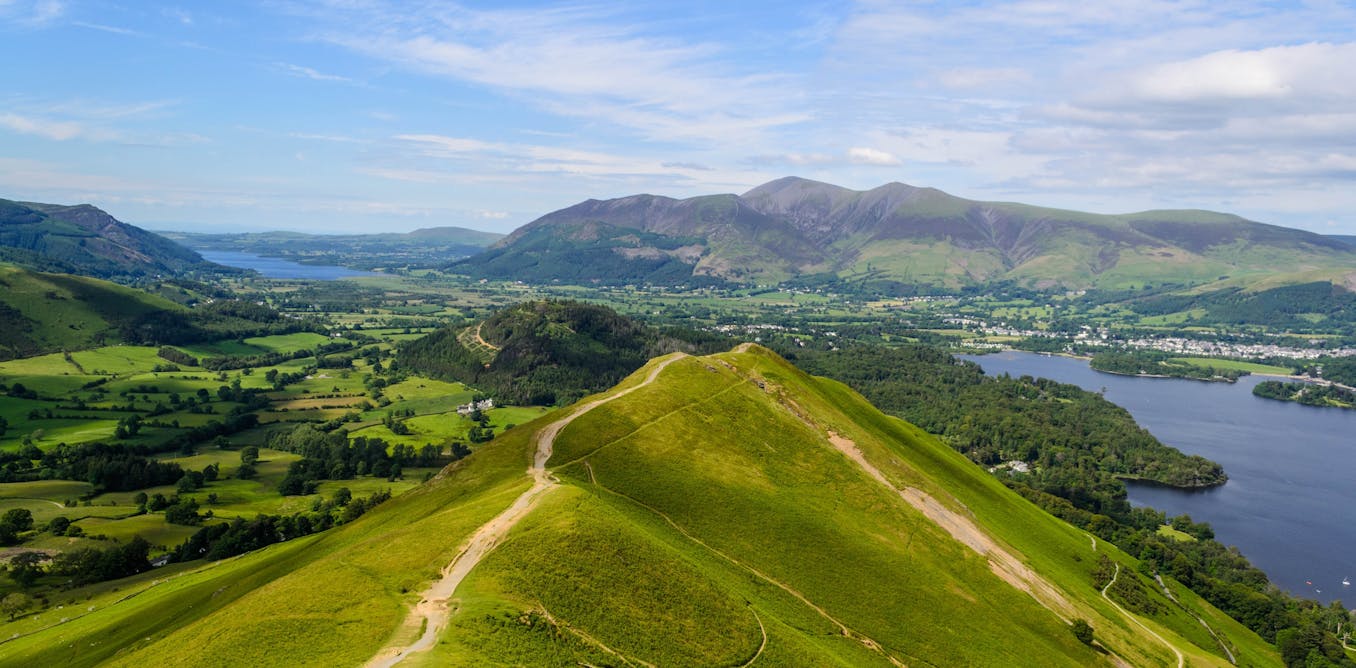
(1289, 465)
(276, 268)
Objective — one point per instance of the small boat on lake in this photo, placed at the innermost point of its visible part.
(1346, 582)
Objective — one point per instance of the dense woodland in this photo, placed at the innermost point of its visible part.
(1337, 369)
(333, 456)
(1076, 443)
(1292, 307)
(1308, 394)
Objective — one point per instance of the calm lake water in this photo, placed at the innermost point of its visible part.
(276, 267)
(1290, 503)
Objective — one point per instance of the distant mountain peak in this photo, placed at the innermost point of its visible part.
(894, 234)
(84, 239)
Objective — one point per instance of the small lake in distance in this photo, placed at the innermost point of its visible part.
(1290, 503)
(276, 267)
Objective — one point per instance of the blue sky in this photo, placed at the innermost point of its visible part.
(366, 115)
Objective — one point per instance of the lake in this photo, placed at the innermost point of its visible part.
(1290, 503)
(276, 267)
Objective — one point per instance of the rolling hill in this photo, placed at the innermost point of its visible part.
(87, 241)
(892, 235)
(718, 510)
(42, 313)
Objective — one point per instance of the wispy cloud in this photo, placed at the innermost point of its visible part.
(982, 77)
(95, 122)
(309, 73)
(108, 29)
(42, 127)
(585, 62)
(32, 13)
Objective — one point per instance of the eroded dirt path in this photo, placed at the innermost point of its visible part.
(435, 604)
(1003, 563)
(481, 340)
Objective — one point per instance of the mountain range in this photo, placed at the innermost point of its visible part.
(794, 228)
(85, 240)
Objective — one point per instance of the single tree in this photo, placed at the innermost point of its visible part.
(1082, 630)
(25, 567)
(15, 604)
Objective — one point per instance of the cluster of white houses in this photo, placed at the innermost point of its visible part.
(482, 405)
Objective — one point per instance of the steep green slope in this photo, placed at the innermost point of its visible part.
(87, 241)
(721, 510)
(42, 313)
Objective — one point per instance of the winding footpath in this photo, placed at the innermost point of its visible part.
(1172, 597)
(481, 340)
(1181, 660)
(435, 608)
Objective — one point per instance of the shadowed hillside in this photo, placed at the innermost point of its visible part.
(87, 241)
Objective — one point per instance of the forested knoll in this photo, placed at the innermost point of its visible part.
(549, 352)
(1155, 363)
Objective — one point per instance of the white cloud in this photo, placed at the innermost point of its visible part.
(1302, 73)
(861, 155)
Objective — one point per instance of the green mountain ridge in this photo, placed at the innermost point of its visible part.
(895, 233)
(85, 240)
(41, 312)
(52, 312)
(718, 510)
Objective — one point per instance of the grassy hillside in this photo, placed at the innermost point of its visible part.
(41, 313)
(44, 313)
(730, 511)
